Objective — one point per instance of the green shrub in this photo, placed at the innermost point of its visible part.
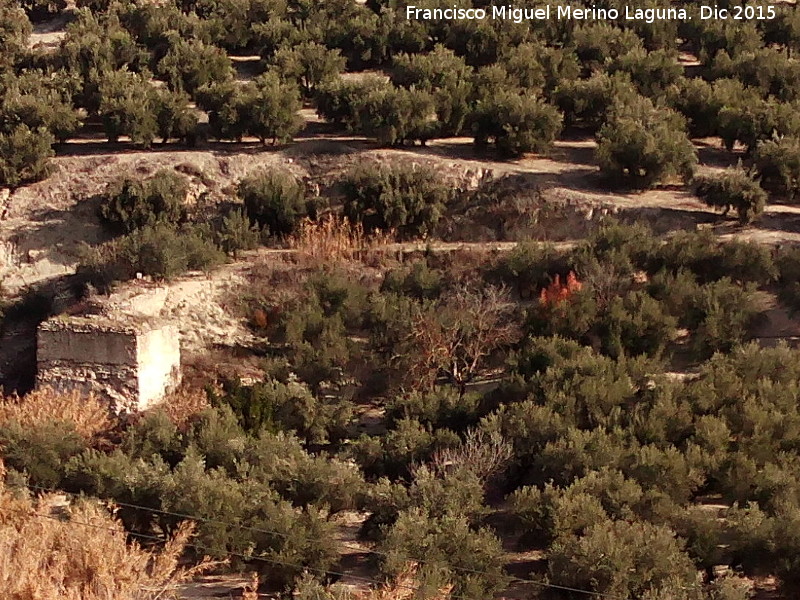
(446, 545)
(396, 115)
(549, 514)
(538, 67)
(41, 452)
(419, 282)
(443, 407)
(265, 108)
(270, 109)
(340, 101)
(710, 260)
(693, 97)
(588, 389)
(451, 490)
(733, 189)
(651, 72)
(271, 527)
(715, 36)
(756, 121)
(174, 118)
(122, 478)
(516, 124)
(574, 454)
(642, 145)
(597, 44)
(40, 102)
(130, 203)
(160, 251)
(408, 443)
(636, 324)
(126, 107)
(236, 233)
(15, 29)
(274, 200)
(409, 200)
(629, 560)
(631, 245)
(154, 434)
(188, 65)
(586, 102)
(778, 165)
(721, 315)
(666, 470)
(24, 156)
(767, 69)
(309, 64)
(291, 407)
(530, 266)
(789, 278)
(573, 318)
(442, 74)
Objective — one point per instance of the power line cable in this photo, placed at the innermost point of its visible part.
(465, 570)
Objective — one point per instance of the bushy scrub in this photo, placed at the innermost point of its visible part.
(291, 406)
(638, 559)
(733, 189)
(516, 124)
(161, 251)
(447, 545)
(407, 199)
(641, 145)
(24, 156)
(274, 200)
(130, 203)
(778, 165)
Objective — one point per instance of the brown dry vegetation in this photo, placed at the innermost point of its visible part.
(403, 588)
(83, 555)
(87, 413)
(183, 405)
(334, 239)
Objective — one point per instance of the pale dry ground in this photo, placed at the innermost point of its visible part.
(48, 35)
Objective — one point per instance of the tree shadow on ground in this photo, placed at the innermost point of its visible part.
(57, 235)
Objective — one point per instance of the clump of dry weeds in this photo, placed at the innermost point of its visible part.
(333, 239)
(90, 415)
(183, 405)
(404, 587)
(81, 555)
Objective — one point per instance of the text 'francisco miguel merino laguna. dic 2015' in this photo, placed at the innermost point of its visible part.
(546, 12)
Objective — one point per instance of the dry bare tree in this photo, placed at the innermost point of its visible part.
(455, 336)
(482, 452)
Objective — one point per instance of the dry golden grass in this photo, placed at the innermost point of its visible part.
(83, 555)
(404, 588)
(333, 239)
(183, 405)
(89, 414)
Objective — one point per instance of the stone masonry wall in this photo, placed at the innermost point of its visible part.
(131, 365)
(158, 356)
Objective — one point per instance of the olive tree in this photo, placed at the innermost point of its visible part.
(309, 64)
(516, 124)
(642, 144)
(778, 164)
(734, 189)
(24, 155)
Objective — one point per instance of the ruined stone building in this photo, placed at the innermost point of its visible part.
(132, 363)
